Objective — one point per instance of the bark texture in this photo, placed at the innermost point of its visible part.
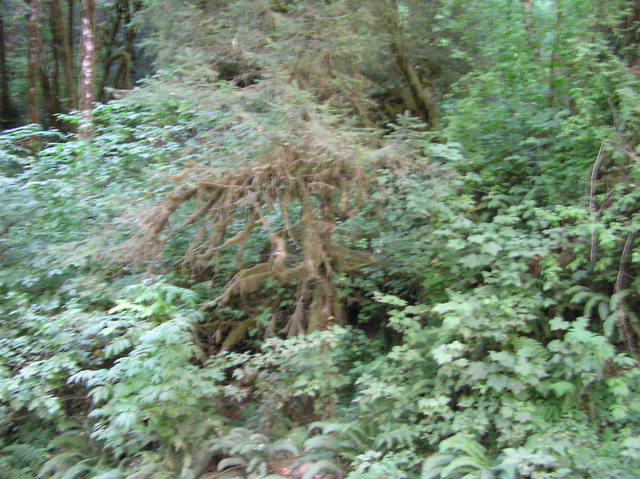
(108, 46)
(62, 46)
(49, 95)
(6, 109)
(423, 95)
(70, 15)
(33, 64)
(87, 63)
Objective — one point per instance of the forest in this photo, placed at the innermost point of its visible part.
(319, 239)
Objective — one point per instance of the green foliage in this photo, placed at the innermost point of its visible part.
(467, 459)
(553, 94)
(251, 451)
(485, 275)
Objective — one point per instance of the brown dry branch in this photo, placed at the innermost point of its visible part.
(307, 190)
(279, 193)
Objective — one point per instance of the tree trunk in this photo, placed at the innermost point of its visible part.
(130, 38)
(108, 46)
(70, 15)
(423, 96)
(7, 113)
(55, 74)
(63, 47)
(51, 104)
(87, 63)
(33, 64)
(54, 87)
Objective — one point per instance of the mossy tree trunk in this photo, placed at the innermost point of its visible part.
(62, 48)
(423, 95)
(120, 55)
(33, 63)
(127, 68)
(70, 16)
(7, 111)
(108, 47)
(49, 95)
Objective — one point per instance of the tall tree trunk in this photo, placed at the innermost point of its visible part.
(130, 38)
(33, 64)
(87, 63)
(63, 47)
(51, 103)
(108, 46)
(423, 96)
(55, 74)
(55, 55)
(7, 114)
(70, 15)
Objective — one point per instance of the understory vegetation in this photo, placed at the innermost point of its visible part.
(334, 239)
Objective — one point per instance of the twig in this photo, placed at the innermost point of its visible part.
(592, 199)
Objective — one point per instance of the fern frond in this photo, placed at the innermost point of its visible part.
(464, 464)
(433, 465)
(323, 466)
(230, 462)
(111, 474)
(329, 427)
(401, 435)
(25, 453)
(360, 439)
(470, 447)
(530, 347)
(284, 446)
(58, 461)
(321, 442)
(314, 457)
(145, 473)
(76, 470)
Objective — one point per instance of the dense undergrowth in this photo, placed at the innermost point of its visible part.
(251, 276)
